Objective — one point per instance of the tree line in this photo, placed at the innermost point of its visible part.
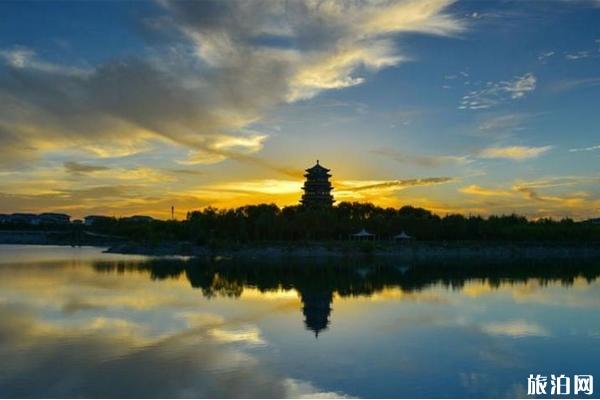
(268, 222)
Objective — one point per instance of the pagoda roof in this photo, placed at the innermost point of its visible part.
(317, 168)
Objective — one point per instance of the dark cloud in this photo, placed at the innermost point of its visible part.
(74, 167)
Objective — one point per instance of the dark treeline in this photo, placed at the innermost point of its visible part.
(353, 277)
(267, 222)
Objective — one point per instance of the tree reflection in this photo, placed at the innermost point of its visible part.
(317, 281)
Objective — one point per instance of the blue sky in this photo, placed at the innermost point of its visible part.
(483, 107)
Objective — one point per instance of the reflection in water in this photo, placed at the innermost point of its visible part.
(317, 282)
(83, 323)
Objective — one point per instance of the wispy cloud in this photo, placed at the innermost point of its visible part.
(74, 167)
(573, 199)
(549, 197)
(25, 58)
(559, 181)
(564, 85)
(262, 186)
(481, 191)
(513, 152)
(578, 55)
(359, 186)
(590, 148)
(422, 160)
(496, 93)
(503, 123)
(544, 56)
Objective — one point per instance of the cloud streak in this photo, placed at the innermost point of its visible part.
(358, 186)
(513, 152)
(74, 167)
(423, 160)
(589, 148)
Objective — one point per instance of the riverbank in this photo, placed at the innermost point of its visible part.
(414, 250)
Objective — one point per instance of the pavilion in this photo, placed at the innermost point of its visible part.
(402, 236)
(363, 234)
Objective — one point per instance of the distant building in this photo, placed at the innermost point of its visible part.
(138, 218)
(92, 219)
(24, 218)
(54, 219)
(317, 188)
(595, 221)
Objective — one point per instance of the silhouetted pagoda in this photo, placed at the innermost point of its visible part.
(317, 188)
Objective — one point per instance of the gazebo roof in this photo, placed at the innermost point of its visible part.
(402, 235)
(317, 168)
(363, 233)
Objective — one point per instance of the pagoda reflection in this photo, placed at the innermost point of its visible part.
(316, 307)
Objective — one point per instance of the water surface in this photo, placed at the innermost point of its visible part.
(77, 322)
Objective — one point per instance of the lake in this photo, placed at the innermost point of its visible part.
(78, 322)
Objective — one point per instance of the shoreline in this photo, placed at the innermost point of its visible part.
(418, 250)
(407, 250)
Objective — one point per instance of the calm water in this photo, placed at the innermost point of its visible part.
(76, 322)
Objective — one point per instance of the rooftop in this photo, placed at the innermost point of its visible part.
(318, 168)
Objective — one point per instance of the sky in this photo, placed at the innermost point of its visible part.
(476, 107)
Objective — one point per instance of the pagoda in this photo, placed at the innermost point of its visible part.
(317, 188)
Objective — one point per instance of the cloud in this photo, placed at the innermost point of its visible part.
(578, 55)
(508, 122)
(560, 181)
(74, 167)
(513, 152)
(209, 72)
(359, 186)
(25, 58)
(543, 198)
(590, 148)
(422, 159)
(520, 86)
(573, 84)
(480, 191)
(496, 93)
(574, 199)
(542, 57)
(265, 186)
